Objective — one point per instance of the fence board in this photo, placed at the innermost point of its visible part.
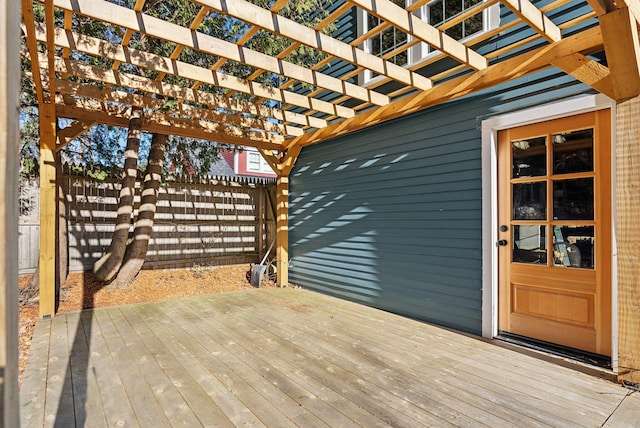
(213, 223)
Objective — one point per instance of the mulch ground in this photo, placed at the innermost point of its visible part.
(83, 291)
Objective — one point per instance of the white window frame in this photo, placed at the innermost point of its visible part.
(423, 52)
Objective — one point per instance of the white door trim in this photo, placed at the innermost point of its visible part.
(490, 128)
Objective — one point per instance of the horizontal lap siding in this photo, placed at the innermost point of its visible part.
(391, 216)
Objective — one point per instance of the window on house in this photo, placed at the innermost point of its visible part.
(253, 161)
(256, 163)
(388, 40)
(398, 47)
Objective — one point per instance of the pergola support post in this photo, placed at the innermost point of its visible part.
(261, 211)
(9, 161)
(48, 210)
(282, 230)
(628, 238)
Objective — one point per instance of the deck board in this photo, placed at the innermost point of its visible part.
(59, 405)
(117, 408)
(282, 357)
(34, 380)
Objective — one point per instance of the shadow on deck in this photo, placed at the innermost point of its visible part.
(281, 357)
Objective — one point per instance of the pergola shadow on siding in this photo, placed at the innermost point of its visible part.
(309, 105)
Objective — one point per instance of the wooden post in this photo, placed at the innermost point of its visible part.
(48, 210)
(9, 161)
(282, 230)
(261, 211)
(628, 238)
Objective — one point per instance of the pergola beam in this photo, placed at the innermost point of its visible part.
(119, 116)
(220, 129)
(622, 47)
(32, 45)
(602, 7)
(588, 72)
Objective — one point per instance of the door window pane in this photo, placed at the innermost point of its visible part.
(529, 157)
(573, 199)
(573, 246)
(529, 244)
(573, 152)
(530, 201)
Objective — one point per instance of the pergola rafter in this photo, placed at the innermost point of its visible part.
(155, 27)
(313, 109)
(314, 38)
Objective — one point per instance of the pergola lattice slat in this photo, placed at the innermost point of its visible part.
(535, 18)
(155, 27)
(276, 24)
(104, 49)
(122, 97)
(169, 90)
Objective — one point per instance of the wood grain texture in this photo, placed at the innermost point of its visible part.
(535, 18)
(9, 161)
(628, 236)
(587, 71)
(48, 209)
(283, 357)
(282, 230)
(622, 46)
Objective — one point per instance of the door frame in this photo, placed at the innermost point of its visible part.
(490, 128)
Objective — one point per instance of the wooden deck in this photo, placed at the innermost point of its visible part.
(282, 357)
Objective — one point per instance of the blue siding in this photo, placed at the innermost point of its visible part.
(391, 216)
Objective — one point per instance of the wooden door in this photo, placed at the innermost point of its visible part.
(554, 185)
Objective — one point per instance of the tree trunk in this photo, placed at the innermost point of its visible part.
(137, 249)
(107, 267)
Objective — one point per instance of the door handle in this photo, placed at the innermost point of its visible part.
(502, 242)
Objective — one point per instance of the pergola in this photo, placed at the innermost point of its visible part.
(307, 105)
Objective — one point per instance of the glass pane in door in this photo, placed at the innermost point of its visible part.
(529, 244)
(573, 152)
(530, 201)
(529, 157)
(573, 246)
(573, 199)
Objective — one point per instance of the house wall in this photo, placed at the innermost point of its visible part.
(391, 216)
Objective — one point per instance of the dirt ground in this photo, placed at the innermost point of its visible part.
(83, 291)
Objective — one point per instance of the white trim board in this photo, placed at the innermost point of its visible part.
(490, 128)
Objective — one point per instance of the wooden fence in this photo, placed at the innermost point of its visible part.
(210, 222)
